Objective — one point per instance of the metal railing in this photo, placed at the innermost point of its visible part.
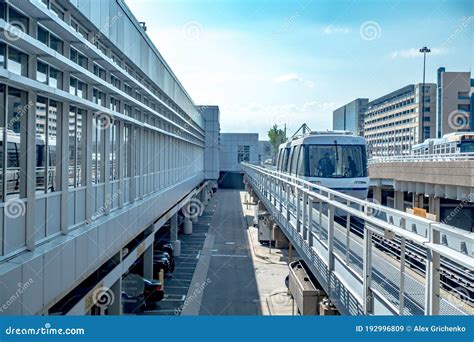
(356, 271)
(440, 157)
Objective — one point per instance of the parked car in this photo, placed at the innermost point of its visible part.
(145, 292)
(160, 262)
(165, 246)
(162, 254)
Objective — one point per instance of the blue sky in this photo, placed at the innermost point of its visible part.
(275, 61)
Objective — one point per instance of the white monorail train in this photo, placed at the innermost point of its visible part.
(333, 159)
(457, 142)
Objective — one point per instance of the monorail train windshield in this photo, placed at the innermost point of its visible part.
(336, 161)
(467, 146)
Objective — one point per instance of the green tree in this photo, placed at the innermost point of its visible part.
(277, 137)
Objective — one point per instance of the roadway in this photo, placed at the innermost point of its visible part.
(231, 287)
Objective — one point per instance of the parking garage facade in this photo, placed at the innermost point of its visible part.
(100, 147)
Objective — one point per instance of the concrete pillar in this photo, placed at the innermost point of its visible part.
(377, 194)
(174, 235)
(434, 204)
(188, 226)
(418, 200)
(399, 200)
(115, 308)
(148, 263)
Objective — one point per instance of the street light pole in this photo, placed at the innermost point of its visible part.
(424, 50)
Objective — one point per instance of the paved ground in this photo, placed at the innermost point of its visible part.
(230, 286)
(271, 269)
(178, 283)
(235, 275)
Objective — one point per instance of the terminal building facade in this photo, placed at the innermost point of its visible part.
(395, 122)
(454, 112)
(100, 145)
(350, 117)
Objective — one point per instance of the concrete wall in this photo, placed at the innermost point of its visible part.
(230, 142)
(439, 173)
(211, 116)
(453, 117)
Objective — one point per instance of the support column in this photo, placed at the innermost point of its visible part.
(115, 308)
(377, 194)
(398, 200)
(148, 263)
(434, 204)
(188, 226)
(174, 235)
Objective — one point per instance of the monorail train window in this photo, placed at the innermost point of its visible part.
(341, 161)
(301, 162)
(284, 163)
(294, 159)
(467, 146)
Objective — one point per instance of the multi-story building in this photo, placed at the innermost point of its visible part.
(350, 117)
(395, 122)
(99, 141)
(454, 111)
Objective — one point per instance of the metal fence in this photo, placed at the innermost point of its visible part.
(370, 259)
(441, 157)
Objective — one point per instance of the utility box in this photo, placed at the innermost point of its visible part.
(326, 308)
(306, 295)
(281, 241)
(265, 224)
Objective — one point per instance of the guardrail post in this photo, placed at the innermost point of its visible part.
(320, 228)
(330, 235)
(310, 221)
(432, 293)
(367, 296)
(305, 215)
(298, 210)
(348, 234)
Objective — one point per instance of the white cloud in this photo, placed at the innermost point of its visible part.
(292, 77)
(259, 118)
(332, 29)
(414, 53)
